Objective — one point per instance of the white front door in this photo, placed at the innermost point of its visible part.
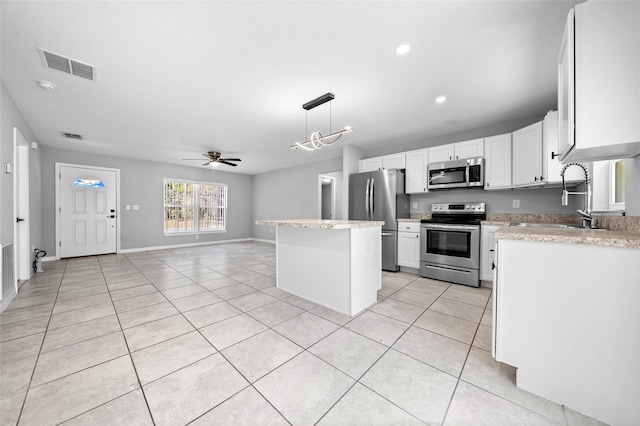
(88, 208)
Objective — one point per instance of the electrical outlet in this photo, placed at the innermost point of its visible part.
(516, 204)
(197, 237)
(415, 204)
(136, 207)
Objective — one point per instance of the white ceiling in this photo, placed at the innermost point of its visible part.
(177, 79)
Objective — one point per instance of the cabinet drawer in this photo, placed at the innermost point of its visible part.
(408, 226)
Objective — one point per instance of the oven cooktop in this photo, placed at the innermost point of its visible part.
(457, 213)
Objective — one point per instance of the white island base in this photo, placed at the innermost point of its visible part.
(337, 267)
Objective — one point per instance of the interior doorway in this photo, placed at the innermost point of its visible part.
(22, 224)
(330, 195)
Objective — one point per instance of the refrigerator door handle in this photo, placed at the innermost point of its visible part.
(366, 200)
(371, 201)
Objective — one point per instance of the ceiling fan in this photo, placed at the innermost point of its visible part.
(215, 160)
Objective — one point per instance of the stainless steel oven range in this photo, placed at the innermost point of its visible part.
(450, 243)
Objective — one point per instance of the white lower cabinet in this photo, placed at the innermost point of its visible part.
(409, 244)
(487, 251)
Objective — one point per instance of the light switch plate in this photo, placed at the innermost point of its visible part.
(136, 207)
(7, 168)
(128, 207)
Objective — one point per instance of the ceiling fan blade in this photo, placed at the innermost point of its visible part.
(230, 159)
(227, 163)
(192, 159)
(207, 163)
(206, 155)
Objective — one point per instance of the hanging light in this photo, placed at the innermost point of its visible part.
(317, 140)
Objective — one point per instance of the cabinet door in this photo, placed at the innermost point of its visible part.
(395, 161)
(527, 156)
(487, 251)
(440, 153)
(497, 162)
(371, 164)
(409, 249)
(469, 149)
(551, 162)
(416, 171)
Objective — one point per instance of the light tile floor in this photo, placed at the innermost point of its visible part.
(202, 335)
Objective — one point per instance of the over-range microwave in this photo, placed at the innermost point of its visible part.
(467, 173)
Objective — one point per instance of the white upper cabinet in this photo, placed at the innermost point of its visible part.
(457, 151)
(527, 156)
(551, 163)
(469, 149)
(370, 164)
(604, 82)
(416, 171)
(497, 162)
(394, 161)
(440, 153)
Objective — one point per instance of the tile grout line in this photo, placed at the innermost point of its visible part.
(35, 365)
(135, 370)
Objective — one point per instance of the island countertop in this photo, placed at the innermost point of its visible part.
(321, 223)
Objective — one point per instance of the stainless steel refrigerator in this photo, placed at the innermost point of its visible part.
(380, 196)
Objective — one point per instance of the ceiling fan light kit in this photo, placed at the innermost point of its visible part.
(215, 160)
(317, 140)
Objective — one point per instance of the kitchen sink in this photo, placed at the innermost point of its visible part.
(553, 226)
(548, 225)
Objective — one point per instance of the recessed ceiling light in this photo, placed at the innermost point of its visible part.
(46, 85)
(441, 99)
(403, 49)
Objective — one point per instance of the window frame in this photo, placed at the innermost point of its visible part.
(196, 207)
(612, 186)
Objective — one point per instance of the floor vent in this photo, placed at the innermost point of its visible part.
(7, 269)
(72, 136)
(67, 65)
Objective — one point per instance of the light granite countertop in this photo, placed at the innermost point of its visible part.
(321, 224)
(597, 237)
(409, 220)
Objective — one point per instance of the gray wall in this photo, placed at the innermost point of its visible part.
(11, 117)
(141, 183)
(290, 193)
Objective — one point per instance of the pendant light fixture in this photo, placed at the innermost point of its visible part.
(317, 140)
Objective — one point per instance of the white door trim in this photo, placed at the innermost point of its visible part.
(58, 202)
(22, 239)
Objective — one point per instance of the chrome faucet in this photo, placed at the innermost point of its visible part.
(588, 221)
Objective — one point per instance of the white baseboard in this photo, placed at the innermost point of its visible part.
(175, 246)
(6, 300)
(260, 240)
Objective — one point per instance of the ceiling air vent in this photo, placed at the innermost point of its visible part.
(67, 65)
(72, 136)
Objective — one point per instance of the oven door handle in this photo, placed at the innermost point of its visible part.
(453, 227)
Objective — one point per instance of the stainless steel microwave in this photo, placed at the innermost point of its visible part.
(456, 174)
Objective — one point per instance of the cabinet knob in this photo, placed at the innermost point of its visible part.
(487, 183)
(554, 155)
(535, 178)
(417, 235)
(541, 178)
(493, 265)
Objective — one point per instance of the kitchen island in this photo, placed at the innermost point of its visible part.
(566, 316)
(334, 263)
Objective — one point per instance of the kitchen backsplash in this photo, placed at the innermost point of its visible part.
(630, 224)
